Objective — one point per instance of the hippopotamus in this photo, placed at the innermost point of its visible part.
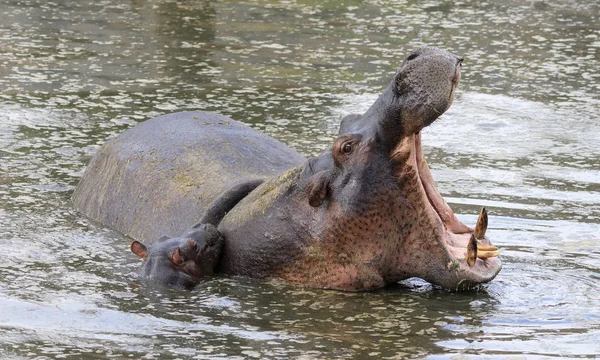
(364, 214)
(181, 262)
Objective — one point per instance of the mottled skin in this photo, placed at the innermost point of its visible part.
(362, 215)
(338, 220)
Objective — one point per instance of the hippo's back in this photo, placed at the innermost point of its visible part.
(158, 177)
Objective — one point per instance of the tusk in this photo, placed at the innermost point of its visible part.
(482, 247)
(482, 224)
(471, 256)
(488, 254)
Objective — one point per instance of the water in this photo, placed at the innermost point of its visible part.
(521, 139)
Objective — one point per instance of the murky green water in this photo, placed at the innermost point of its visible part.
(521, 139)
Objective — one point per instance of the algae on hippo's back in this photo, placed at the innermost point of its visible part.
(276, 185)
(185, 182)
(264, 196)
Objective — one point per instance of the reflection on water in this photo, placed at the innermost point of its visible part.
(519, 140)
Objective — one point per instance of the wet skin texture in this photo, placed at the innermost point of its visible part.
(362, 215)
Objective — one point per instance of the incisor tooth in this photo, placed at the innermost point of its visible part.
(471, 256)
(483, 247)
(487, 254)
(482, 224)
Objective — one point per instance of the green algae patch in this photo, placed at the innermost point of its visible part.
(263, 197)
(184, 182)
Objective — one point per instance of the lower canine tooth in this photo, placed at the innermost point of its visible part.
(471, 256)
(482, 224)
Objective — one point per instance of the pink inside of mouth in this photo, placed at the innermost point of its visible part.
(435, 198)
(455, 236)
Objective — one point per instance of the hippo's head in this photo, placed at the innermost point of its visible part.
(381, 217)
(181, 262)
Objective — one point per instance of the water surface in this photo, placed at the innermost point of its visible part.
(521, 140)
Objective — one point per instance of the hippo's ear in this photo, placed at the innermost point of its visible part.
(318, 188)
(349, 122)
(177, 258)
(139, 249)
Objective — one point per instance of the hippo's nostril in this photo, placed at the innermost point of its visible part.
(412, 56)
(191, 243)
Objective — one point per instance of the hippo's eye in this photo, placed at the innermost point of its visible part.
(347, 148)
(412, 56)
(344, 146)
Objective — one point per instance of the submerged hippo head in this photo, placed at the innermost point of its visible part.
(366, 213)
(181, 262)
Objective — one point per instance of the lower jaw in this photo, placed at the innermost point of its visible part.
(440, 245)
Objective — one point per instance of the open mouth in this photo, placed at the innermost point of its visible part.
(451, 254)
